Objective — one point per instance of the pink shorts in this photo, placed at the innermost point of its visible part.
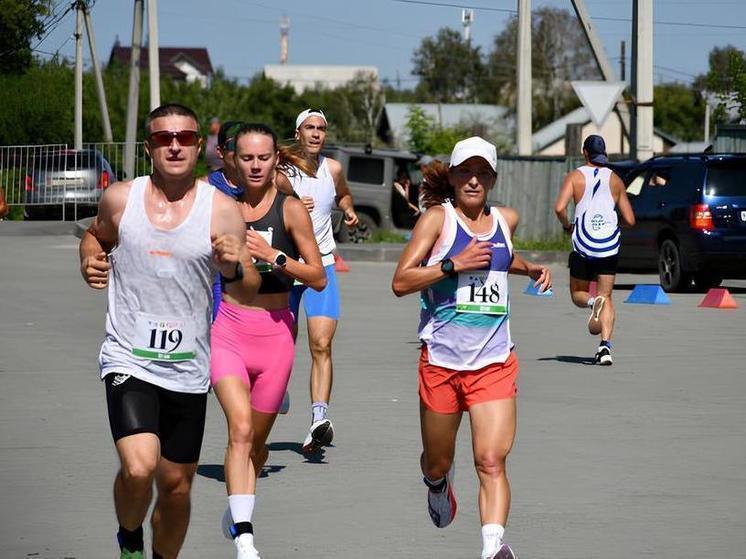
(256, 345)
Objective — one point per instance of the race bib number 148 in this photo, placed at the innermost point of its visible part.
(482, 292)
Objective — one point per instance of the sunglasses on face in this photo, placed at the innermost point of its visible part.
(163, 138)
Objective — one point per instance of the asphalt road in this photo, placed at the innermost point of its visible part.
(646, 458)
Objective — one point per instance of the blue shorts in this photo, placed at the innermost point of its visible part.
(317, 303)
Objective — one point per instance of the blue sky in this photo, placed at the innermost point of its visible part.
(242, 36)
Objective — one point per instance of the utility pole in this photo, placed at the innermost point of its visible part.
(467, 18)
(78, 140)
(284, 39)
(523, 109)
(643, 85)
(154, 67)
(622, 77)
(100, 91)
(134, 92)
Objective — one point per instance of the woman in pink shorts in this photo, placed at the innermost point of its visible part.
(252, 345)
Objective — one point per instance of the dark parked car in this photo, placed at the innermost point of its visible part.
(691, 220)
(70, 177)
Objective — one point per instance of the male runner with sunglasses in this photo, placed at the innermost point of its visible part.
(161, 238)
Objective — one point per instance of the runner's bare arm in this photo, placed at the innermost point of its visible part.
(4, 207)
(228, 233)
(311, 272)
(282, 182)
(541, 274)
(563, 200)
(622, 201)
(102, 236)
(344, 196)
(411, 276)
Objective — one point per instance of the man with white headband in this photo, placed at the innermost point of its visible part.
(319, 193)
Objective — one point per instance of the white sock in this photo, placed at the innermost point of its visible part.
(492, 539)
(319, 409)
(591, 300)
(242, 507)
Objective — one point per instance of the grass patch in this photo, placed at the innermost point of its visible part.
(386, 236)
(16, 213)
(558, 243)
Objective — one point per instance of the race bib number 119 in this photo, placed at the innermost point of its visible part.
(164, 339)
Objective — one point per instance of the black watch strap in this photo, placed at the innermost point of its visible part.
(448, 268)
(237, 276)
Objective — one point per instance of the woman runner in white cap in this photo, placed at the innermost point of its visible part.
(319, 193)
(459, 259)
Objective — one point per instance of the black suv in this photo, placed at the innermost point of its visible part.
(691, 220)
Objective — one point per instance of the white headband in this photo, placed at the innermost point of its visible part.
(308, 113)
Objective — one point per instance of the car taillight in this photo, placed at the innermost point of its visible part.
(104, 180)
(700, 217)
(29, 184)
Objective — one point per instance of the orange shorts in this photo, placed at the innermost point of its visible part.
(444, 390)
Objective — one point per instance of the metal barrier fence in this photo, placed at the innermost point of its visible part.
(55, 181)
(531, 185)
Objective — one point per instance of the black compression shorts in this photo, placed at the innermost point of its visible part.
(589, 269)
(177, 418)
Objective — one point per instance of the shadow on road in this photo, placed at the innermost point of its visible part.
(216, 471)
(312, 458)
(574, 359)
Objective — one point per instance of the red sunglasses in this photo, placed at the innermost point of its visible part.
(163, 138)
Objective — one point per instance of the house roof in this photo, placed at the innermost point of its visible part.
(167, 57)
(556, 130)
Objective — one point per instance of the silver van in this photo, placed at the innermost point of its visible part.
(370, 174)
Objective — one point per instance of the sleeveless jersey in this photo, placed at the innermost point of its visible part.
(158, 321)
(271, 226)
(596, 233)
(321, 189)
(464, 320)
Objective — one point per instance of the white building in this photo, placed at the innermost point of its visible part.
(309, 76)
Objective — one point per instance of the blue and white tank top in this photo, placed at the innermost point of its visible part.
(596, 233)
(158, 320)
(464, 321)
(321, 188)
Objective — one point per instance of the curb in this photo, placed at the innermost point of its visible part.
(36, 228)
(390, 252)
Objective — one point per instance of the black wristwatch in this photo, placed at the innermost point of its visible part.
(281, 259)
(448, 268)
(238, 275)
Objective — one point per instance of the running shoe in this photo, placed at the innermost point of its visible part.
(441, 502)
(594, 321)
(285, 406)
(505, 552)
(245, 547)
(603, 356)
(320, 434)
(127, 554)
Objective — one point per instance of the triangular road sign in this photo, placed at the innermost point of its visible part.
(599, 97)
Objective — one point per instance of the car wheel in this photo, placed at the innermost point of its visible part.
(671, 275)
(704, 280)
(362, 232)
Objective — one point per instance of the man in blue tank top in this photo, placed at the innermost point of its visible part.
(599, 195)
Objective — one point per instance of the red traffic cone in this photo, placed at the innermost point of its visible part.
(340, 265)
(719, 298)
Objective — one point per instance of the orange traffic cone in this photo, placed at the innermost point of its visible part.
(719, 298)
(339, 264)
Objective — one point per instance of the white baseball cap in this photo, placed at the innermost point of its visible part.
(474, 147)
(300, 119)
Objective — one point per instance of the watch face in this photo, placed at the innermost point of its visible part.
(447, 266)
(281, 260)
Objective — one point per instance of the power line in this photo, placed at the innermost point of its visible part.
(447, 5)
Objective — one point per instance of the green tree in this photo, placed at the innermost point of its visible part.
(679, 110)
(726, 78)
(450, 69)
(20, 23)
(426, 137)
(559, 54)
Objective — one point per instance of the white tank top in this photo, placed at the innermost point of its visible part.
(321, 189)
(160, 296)
(596, 233)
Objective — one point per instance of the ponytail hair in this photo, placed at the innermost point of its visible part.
(436, 188)
(293, 158)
